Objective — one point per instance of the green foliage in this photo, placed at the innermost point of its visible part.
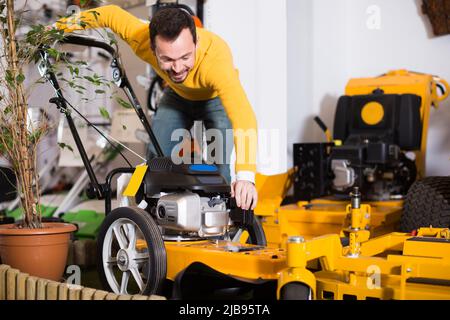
(112, 38)
(95, 79)
(7, 110)
(9, 77)
(83, 24)
(72, 75)
(35, 136)
(104, 113)
(7, 138)
(123, 103)
(20, 78)
(95, 14)
(54, 53)
(41, 35)
(63, 146)
(73, 70)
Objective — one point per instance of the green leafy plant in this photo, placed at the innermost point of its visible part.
(19, 136)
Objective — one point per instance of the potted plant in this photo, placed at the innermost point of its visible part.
(32, 246)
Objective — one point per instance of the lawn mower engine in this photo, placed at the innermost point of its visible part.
(190, 201)
(373, 136)
(377, 167)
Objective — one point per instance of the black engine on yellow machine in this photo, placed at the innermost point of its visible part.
(378, 137)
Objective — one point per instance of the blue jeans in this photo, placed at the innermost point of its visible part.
(175, 112)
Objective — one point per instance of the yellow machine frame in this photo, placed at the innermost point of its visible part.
(222, 256)
(395, 266)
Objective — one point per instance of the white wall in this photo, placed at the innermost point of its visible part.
(256, 31)
(316, 75)
(330, 42)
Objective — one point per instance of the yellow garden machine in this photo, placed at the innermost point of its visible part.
(379, 144)
(351, 251)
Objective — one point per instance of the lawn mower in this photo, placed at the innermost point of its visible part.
(342, 251)
(180, 238)
(379, 146)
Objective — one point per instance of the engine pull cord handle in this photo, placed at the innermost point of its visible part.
(243, 218)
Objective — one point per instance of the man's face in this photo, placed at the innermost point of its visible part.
(176, 57)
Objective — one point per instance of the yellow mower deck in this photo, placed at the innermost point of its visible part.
(395, 266)
(376, 264)
(315, 218)
(233, 259)
(322, 216)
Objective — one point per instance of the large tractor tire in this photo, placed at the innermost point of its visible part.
(427, 204)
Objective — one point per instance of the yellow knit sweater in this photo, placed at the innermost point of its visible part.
(213, 74)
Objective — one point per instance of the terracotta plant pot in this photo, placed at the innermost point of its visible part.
(38, 252)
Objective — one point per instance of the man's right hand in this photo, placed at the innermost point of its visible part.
(245, 194)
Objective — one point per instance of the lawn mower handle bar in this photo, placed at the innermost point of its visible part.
(121, 80)
(98, 190)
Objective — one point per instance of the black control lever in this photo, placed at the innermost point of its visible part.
(241, 217)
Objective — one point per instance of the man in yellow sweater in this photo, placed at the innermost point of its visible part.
(202, 83)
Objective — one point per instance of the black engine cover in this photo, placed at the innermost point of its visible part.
(165, 176)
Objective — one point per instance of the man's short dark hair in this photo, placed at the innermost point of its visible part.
(168, 24)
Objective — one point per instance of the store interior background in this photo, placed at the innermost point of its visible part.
(296, 56)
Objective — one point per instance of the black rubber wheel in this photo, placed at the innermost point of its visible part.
(255, 232)
(427, 204)
(131, 256)
(295, 291)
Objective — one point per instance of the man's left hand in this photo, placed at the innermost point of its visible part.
(245, 194)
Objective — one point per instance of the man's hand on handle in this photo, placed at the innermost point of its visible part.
(245, 194)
